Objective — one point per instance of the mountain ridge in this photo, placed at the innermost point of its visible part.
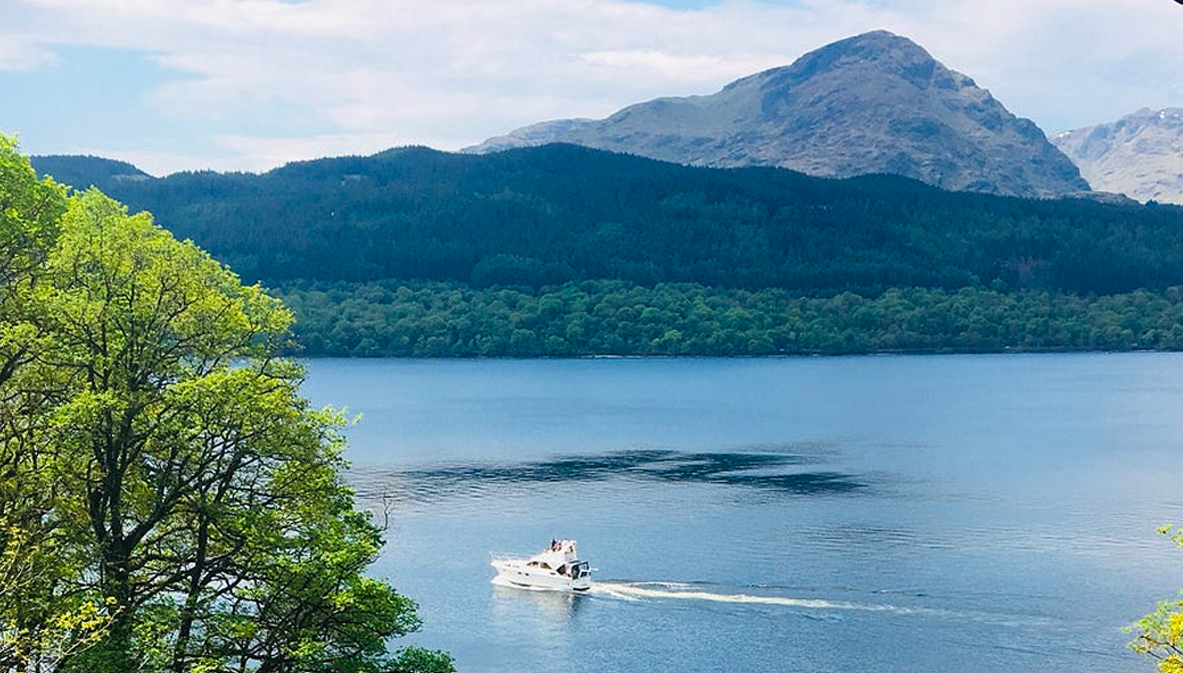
(872, 103)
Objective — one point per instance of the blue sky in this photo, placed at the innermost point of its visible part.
(250, 84)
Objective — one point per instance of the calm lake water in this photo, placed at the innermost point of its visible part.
(921, 514)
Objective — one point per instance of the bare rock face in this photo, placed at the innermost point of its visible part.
(1140, 155)
(873, 103)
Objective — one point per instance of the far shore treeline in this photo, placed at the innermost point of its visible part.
(562, 251)
(620, 318)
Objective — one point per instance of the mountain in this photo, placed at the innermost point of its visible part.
(517, 218)
(873, 103)
(1140, 155)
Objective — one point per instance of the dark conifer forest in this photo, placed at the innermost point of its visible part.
(563, 250)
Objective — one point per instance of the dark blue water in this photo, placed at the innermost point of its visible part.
(936, 514)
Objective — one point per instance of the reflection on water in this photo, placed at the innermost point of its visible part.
(776, 472)
(555, 605)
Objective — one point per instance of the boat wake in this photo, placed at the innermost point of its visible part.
(639, 591)
(816, 608)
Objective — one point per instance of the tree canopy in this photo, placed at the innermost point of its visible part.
(171, 502)
(1160, 633)
(391, 318)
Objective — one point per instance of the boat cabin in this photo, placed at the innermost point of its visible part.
(575, 570)
(572, 569)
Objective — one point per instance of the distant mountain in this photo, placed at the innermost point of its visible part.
(82, 172)
(1140, 155)
(518, 218)
(874, 103)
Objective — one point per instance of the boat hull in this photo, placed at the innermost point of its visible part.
(516, 573)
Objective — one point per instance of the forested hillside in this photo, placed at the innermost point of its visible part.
(547, 215)
(538, 218)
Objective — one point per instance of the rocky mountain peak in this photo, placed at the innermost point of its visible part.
(1140, 155)
(872, 103)
(880, 50)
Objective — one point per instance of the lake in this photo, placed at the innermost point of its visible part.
(895, 513)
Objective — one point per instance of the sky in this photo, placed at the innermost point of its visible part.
(249, 85)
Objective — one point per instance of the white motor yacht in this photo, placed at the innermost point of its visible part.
(557, 567)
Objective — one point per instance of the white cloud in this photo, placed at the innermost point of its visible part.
(18, 55)
(337, 76)
(691, 69)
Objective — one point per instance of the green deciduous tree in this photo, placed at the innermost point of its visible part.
(43, 618)
(1160, 633)
(170, 502)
